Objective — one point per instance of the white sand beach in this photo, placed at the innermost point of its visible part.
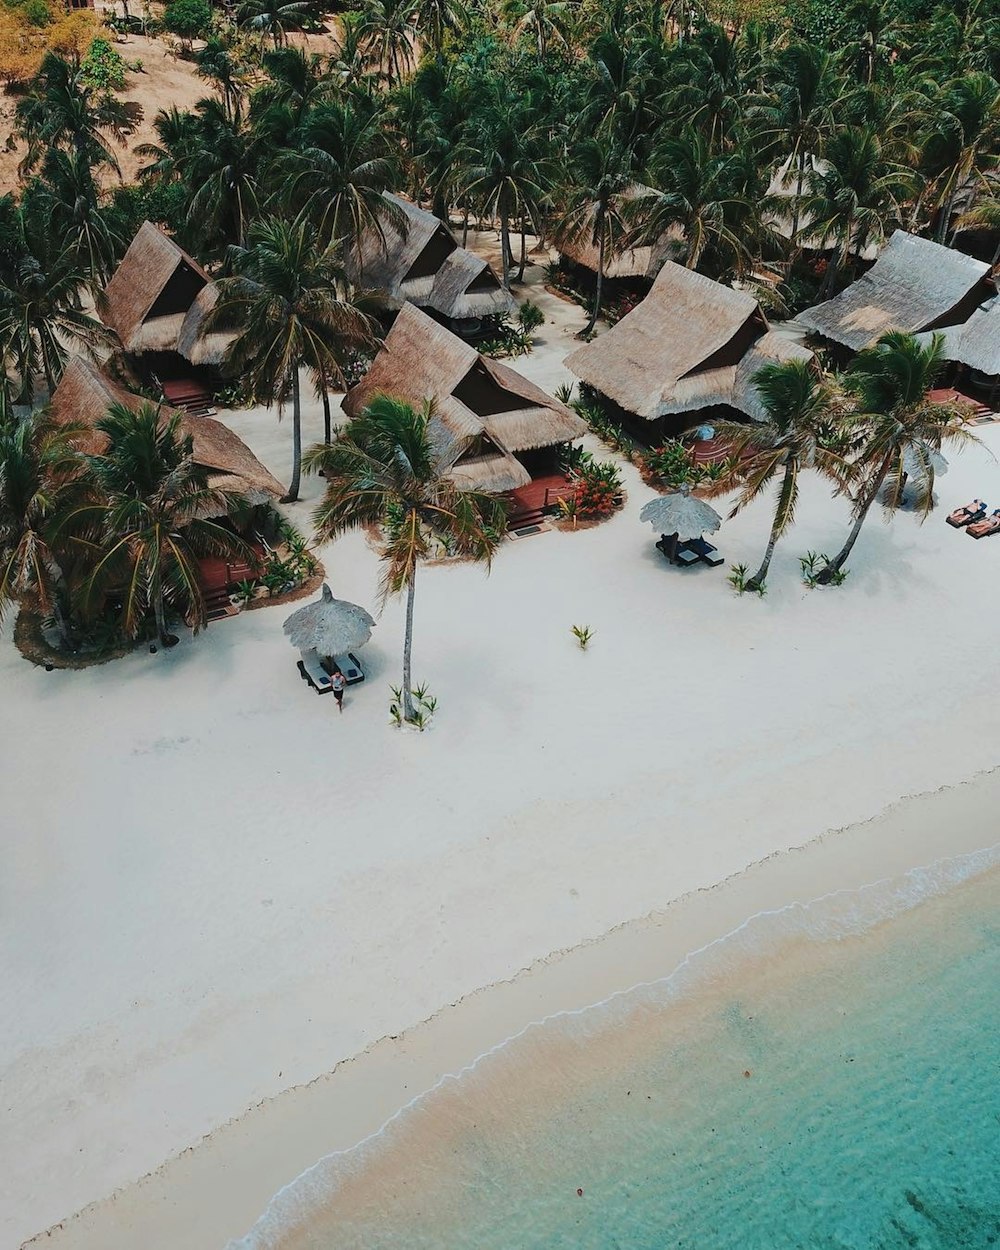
(215, 889)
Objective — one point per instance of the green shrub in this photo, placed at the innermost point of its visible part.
(103, 68)
(188, 19)
(530, 317)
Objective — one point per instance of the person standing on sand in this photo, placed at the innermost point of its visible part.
(338, 682)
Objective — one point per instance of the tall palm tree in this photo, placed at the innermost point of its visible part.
(382, 466)
(504, 166)
(434, 18)
(598, 180)
(39, 482)
(218, 63)
(797, 433)
(857, 197)
(386, 32)
(338, 174)
(177, 139)
(273, 18)
(896, 424)
(967, 134)
(66, 199)
(287, 297)
(41, 315)
(223, 173)
(151, 515)
(547, 21)
(61, 110)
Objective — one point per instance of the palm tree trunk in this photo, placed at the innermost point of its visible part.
(588, 329)
(760, 577)
(520, 268)
(837, 563)
(801, 162)
(408, 709)
(324, 395)
(293, 489)
(465, 225)
(996, 258)
(159, 613)
(505, 249)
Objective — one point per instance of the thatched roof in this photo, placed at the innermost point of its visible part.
(85, 394)
(484, 410)
(975, 343)
(679, 350)
(419, 261)
(129, 304)
(914, 285)
(636, 262)
(772, 349)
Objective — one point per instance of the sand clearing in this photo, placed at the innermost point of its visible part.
(224, 890)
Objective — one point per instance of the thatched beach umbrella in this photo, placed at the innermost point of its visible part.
(680, 515)
(329, 627)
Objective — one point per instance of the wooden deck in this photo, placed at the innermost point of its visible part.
(528, 503)
(981, 413)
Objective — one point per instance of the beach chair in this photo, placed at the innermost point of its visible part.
(312, 671)
(705, 551)
(682, 555)
(350, 666)
(974, 511)
(984, 528)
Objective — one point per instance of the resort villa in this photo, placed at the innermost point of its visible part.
(915, 285)
(416, 259)
(493, 429)
(690, 348)
(157, 302)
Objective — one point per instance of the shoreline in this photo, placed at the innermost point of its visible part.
(214, 1191)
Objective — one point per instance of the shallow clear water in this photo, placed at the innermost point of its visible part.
(827, 1078)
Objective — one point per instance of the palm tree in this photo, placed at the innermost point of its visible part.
(386, 32)
(435, 17)
(40, 309)
(547, 20)
(381, 470)
(797, 433)
(39, 481)
(66, 200)
(897, 424)
(223, 173)
(857, 197)
(217, 62)
(151, 516)
(503, 166)
(295, 82)
(983, 216)
(338, 174)
(177, 138)
(286, 294)
(273, 18)
(62, 111)
(599, 179)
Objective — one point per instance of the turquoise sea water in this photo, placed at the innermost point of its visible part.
(826, 1078)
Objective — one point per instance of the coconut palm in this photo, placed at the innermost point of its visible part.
(797, 433)
(435, 17)
(40, 310)
(338, 174)
(287, 297)
(386, 32)
(177, 138)
(273, 18)
(39, 482)
(966, 139)
(504, 166)
(599, 178)
(151, 515)
(223, 173)
(61, 110)
(217, 62)
(546, 21)
(381, 470)
(65, 198)
(896, 420)
(857, 197)
(983, 216)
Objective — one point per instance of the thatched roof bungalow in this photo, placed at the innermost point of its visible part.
(915, 285)
(419, 261)
(976, 343)
(691, 344)
(85, 393)
(158, 299)
(492, 428)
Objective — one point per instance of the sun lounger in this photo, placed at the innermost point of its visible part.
(350, 666)
(312, 671)
(974, 511)
(705, 551)
(983, 529)
(680, 554)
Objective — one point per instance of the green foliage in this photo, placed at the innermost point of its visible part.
(740, 580)
(671, 465)
(425, 705)
(589, 408)
(246, 590)
(583, 635)
(504, 339)
(103, 67)
(814, 564)
(530, 317)
(188, 19)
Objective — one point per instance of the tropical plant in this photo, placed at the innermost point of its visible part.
(386, 32)
(583, 635)
(383, 459)
(151, 514)
(274, 18)
(39, 481)
(797, 433)
(287, 295)
(223, 171)
(898, 427)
